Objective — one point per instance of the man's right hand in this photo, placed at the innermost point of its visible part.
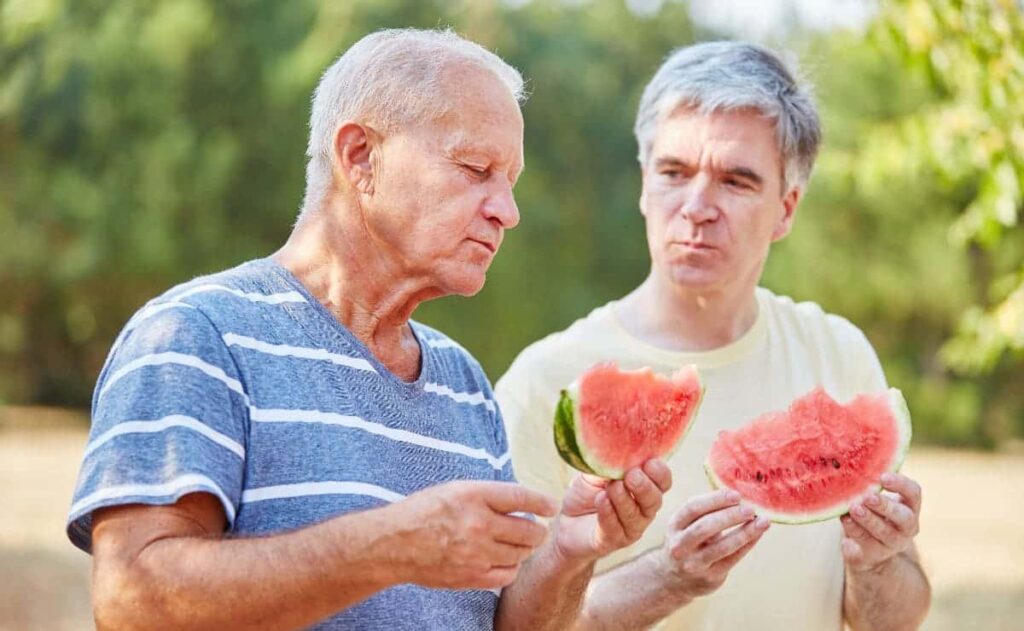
(462, 535)
(699, 552)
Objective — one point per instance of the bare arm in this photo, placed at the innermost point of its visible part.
(886, 589)
(695, 560)
(169, 567)
(597, 518)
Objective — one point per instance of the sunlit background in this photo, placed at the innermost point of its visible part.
(146, 142)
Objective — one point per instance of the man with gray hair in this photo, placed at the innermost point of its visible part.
(727, 141)
(279, 445)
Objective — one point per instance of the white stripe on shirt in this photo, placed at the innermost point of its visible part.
(473, 398)
(171, 488)
(161, 359)
(258, 415)
(274, 299)
(174, 420)
(306, 489)
(302, 352)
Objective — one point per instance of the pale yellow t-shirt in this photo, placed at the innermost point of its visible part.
(792, 580)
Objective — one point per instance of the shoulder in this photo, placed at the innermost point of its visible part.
(810, 322)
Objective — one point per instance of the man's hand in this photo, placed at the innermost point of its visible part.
(882, 525)
(707, 537)
(462, 535)
(600, 516)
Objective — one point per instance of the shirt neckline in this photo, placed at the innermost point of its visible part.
(720, 356)
(427, 368)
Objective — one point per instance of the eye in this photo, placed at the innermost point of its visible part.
(478, 172)
(671, 174)
(738, 184)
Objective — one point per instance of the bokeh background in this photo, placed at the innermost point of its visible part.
(144, 142)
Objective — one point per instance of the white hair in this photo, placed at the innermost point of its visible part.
(389, 79)
(728, 76)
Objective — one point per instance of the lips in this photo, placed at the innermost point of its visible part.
(490, 245)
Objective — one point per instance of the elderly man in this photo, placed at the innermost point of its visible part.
(279, 445)
(727, 142)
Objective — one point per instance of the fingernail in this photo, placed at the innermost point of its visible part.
(858, 511)
(762, 522)
(733, 496)
(747, 512)
(634, 477)
(886, 478)
(872, 500)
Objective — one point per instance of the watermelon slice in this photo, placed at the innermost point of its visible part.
(609, 420)
(812, 461)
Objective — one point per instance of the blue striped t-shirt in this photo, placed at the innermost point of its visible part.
(242, 385)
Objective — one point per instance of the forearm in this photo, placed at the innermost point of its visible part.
(284, 581)
(634, 595)
(894, 597)
(547, 593)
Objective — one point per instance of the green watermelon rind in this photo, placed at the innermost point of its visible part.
(565, 434)
(572, 448)
(900, 412)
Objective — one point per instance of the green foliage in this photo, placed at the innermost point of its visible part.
(143, 143)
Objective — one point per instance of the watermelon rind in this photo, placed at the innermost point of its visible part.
(900, 412)
(565, 434)
(569, 436)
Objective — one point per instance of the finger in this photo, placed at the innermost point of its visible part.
(853, 553)
(730, 561)
(607, 520)
(731, 543)
(658, 471)
(506, 497)
(852, 530)
(878, 528)
(498, 577)
(595, 481)
(711, 524)
(626, 510)
(898, 514)
(645, 491)
(909, 490)
(505, 555)
(517, 531)
(700, 505)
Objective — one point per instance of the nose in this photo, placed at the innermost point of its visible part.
(501, 206)
(700, 205)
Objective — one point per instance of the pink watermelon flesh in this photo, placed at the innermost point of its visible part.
(813, 460)
(629, 417)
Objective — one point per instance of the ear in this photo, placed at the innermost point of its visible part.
(643, 191)
(789, 204)
(354, 146)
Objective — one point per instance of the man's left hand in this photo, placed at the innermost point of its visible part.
(600, 516)
(882, 525)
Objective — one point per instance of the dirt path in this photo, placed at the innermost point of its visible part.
(972, 535)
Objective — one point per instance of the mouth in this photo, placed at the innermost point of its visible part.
(693, 245)
(491, 247)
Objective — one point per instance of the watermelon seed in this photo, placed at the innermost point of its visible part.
(760, 478)
(835, 463)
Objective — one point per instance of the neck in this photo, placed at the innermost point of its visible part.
(333, 254)
(683, 319)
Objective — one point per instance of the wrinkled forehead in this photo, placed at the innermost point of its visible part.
(741, 135)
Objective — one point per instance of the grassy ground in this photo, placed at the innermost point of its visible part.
(972, 535)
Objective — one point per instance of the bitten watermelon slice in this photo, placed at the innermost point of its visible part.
(609, 420)
(812, 461)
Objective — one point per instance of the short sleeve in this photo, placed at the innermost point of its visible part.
(169, 417)
(529, 417)
(863, 371)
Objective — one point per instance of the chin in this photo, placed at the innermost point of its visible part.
(687, 277)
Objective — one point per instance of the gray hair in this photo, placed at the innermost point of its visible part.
(729, 76)
(389, 79)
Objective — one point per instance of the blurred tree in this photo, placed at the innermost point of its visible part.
(146, 142)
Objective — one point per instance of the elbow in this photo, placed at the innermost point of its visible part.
(123, 601)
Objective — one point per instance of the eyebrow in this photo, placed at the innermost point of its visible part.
(742, 172)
